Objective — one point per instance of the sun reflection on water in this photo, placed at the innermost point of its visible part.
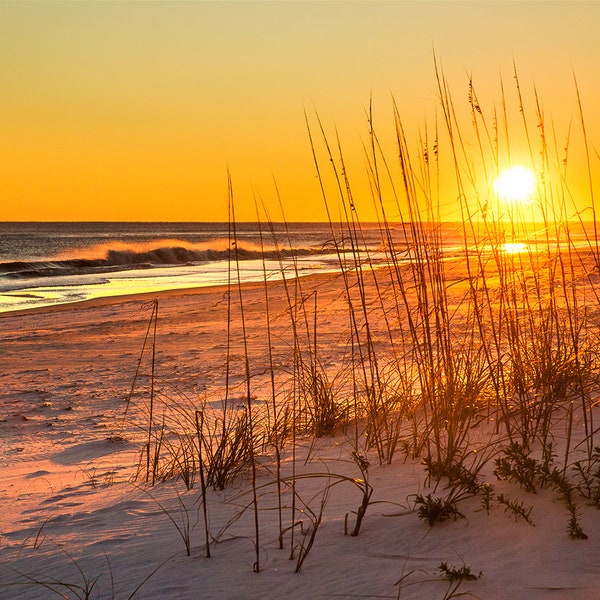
(514, 248)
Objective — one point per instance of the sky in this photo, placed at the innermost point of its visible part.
(138, 111)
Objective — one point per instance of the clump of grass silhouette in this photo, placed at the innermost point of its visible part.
(587, 473)
(517, 465)
(436, 509)
(574, 528)
(325, 413)
(455, 576)
(462, 573)
(226, 444)
(516, 508)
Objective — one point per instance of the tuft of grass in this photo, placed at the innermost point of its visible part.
(325, 414)
(516, 508)
(462, 573)
(517, 465)
(436, 509)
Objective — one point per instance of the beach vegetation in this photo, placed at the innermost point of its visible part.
(471, 360)
(516, 508)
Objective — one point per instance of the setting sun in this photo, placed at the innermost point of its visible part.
(515, 185)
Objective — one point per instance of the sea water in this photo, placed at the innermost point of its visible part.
(44, 264)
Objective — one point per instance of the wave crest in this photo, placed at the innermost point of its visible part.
(107, 257)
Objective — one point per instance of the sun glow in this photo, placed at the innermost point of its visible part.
(514, 248)
(515, 185)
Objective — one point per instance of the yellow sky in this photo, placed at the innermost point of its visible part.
(136, 110)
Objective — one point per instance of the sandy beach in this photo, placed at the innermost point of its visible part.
(80, 520)
(299, 300)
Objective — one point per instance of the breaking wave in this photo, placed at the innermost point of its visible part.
(104, 258)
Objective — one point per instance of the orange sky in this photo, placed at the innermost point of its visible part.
(135, 110)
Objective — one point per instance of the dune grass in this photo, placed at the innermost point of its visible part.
(463, 358)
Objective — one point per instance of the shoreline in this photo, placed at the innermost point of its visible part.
(160, 294)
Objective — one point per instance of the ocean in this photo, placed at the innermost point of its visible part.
(44, 264)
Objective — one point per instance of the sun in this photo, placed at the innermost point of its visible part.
(515, 185)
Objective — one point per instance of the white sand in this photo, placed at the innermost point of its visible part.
(73, 517)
